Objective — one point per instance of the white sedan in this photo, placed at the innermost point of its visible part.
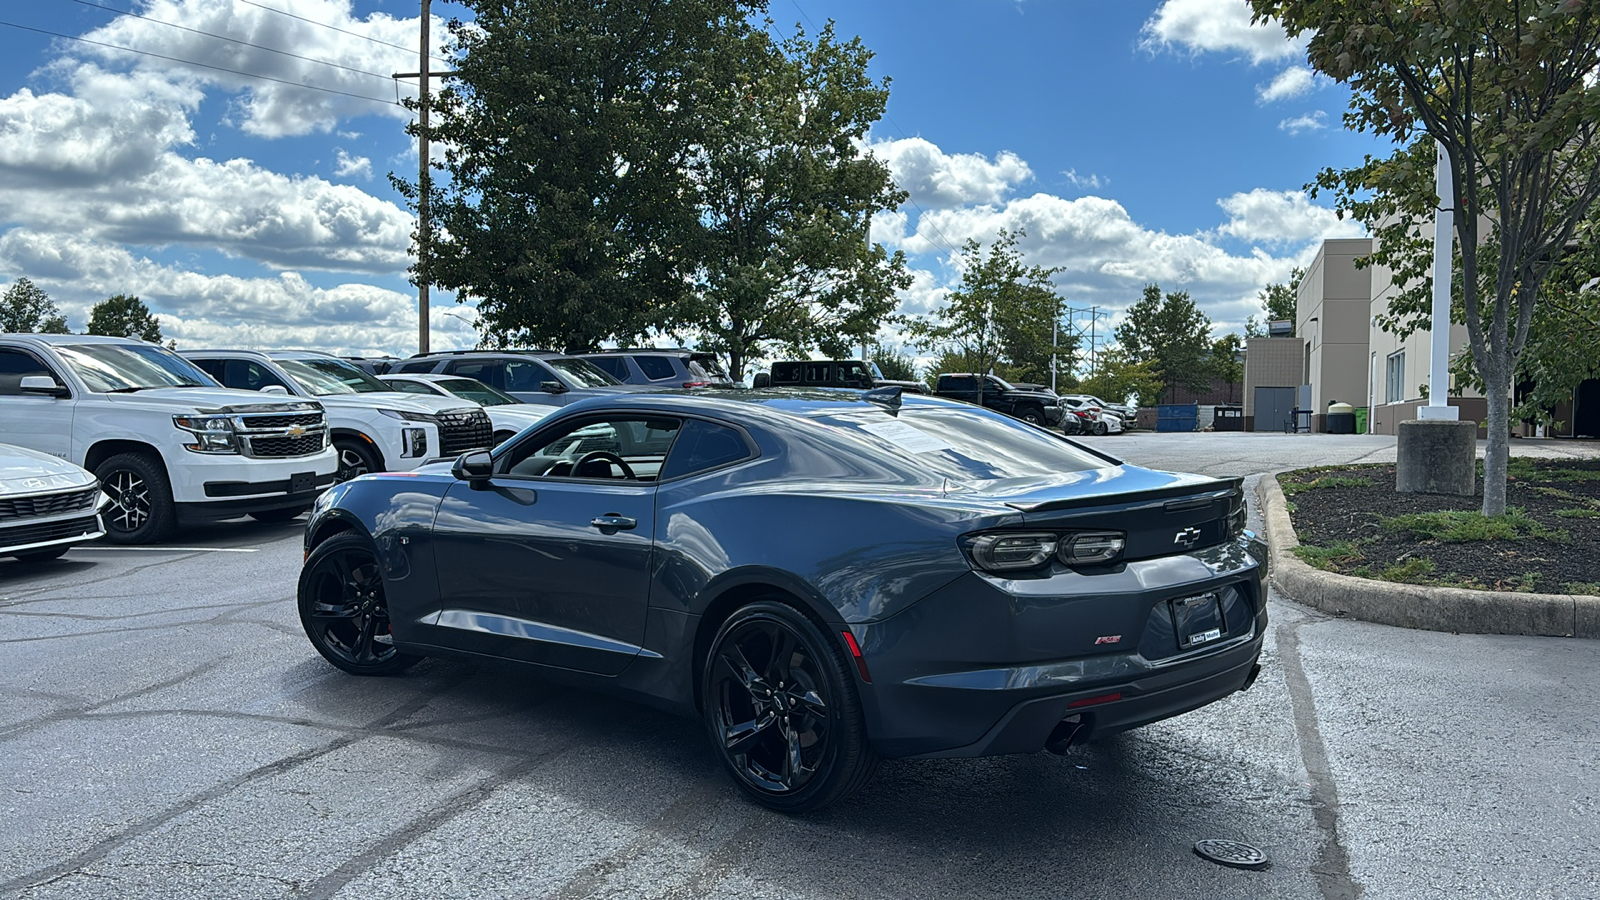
(46, 505)
(508, 414)
(1105, 422)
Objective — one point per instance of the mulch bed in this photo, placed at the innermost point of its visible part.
(1345, 519)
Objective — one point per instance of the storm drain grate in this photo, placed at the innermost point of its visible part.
(1235, 854)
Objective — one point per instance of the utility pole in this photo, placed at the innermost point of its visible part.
(424, 179)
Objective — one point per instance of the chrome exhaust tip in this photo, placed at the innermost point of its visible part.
(1062, 736)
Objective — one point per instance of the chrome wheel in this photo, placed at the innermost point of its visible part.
(130, 501)
(771, 706)
(344, 610)
(354, 460)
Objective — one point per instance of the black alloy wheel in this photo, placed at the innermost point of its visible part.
(355, 458)
(781, 706)
(1032, 415)
(344, 610)
(141, 509)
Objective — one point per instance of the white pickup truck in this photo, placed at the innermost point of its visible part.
(167, 443)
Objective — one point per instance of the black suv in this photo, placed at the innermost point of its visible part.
(672, 367)
(999, 395)
(537, 376)
(835, 373)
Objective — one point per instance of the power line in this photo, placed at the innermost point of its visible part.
(355, 34)
(190, 62)
(223, 37)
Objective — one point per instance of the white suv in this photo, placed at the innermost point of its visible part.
(167, 443)
(375, 428)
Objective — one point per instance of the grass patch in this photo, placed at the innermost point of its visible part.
(1331, 557)
(1523, 468)
(1588, 588)
(1455, 526)
(1416, 570)
(1325, 483)
(1583, 513)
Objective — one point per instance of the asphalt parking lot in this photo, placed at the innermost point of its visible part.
(167, 731)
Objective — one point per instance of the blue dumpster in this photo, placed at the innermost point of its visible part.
(1178, 417)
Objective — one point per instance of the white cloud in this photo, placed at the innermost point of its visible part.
(1282, 217)
(934, 178)
(349, 165)
(1091, 182)
(1217, 26)
(1316, 120)
(227, 310)
(266, 108)
(102, 163)
(1294, 81)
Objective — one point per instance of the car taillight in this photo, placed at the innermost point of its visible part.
(1017, 551)
(690, 384)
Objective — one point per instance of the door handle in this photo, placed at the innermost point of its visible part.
(610, 523)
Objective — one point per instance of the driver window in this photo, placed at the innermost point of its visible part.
(625, 448)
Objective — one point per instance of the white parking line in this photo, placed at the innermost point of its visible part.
(175, 549)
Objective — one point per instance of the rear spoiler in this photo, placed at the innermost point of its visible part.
(1191, 494)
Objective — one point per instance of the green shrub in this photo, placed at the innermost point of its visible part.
(1326, 482)
(1454, 526)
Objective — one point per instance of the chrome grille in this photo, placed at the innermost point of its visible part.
(463, 430)
(281, 435)
(262, 423)
(48, 504)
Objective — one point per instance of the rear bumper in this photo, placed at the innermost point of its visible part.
(985, 666)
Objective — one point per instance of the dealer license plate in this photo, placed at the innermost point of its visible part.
(301, 482)
(1197, 620)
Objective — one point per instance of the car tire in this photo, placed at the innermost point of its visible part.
(43, 554)
(287, 514)
(355, 458)
(789, 729)
(344, 610)
(1033, 415)
(141, 509)
(1100, 428)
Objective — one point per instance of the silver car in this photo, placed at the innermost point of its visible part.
(46, 505)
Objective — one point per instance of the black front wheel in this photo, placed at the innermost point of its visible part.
(781, 707)
(1032, 416)
(344, 610)
(141, 509)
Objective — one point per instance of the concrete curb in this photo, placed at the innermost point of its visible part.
(1415, 605)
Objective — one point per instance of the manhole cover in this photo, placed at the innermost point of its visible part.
(1236, 854)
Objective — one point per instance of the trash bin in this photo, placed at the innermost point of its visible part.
(1361, 420)
(1228, 418)
(1341, 418)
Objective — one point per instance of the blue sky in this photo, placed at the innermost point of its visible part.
(1133, 141)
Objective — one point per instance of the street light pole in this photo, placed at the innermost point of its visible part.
(422, 185)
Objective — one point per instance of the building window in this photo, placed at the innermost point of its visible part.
(1396, 372)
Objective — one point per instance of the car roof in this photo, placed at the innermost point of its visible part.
(77, 339)
(664, 351)
(456, 354)
(424, 376)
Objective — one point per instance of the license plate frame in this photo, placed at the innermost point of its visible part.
(1197, 621)
(302, 482)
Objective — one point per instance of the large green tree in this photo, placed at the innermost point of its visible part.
(1001, 315)
(1508, 91)
(1118, 378)
(1227, 361)
(1279, 303)
(569, 130)
(785, 193)
(1172, 335)
(27, 309)
(122, 315)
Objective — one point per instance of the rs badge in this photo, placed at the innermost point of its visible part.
(1108, 639)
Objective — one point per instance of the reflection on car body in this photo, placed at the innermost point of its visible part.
(824, 578)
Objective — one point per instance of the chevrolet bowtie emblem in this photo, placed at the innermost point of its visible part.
(1187, 537)
(296, 430)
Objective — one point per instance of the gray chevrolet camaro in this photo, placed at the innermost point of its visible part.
(824, 578)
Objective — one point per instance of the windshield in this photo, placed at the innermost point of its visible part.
(967, 446)
(323, 377)
(581, 372)
(1001, 383)
(476, 391)
(107, 368)
(706, 367)
(877, 373)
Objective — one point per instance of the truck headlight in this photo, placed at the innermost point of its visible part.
(407, 415)
(212, 434)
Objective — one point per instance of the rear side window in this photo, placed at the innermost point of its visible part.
(965, 445)
(702, 446)
(655, 368)
(425, 365)
(490, 373)
(786, 373)
(615, 366)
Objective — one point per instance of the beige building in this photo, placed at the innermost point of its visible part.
(1349, 358)
(1274, 369)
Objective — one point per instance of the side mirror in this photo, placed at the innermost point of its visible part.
(553, 387)
(761, 380)
(273, 389)
(41, 384)
(475, 467)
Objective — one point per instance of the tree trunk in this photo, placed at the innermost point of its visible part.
(1497, 384)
